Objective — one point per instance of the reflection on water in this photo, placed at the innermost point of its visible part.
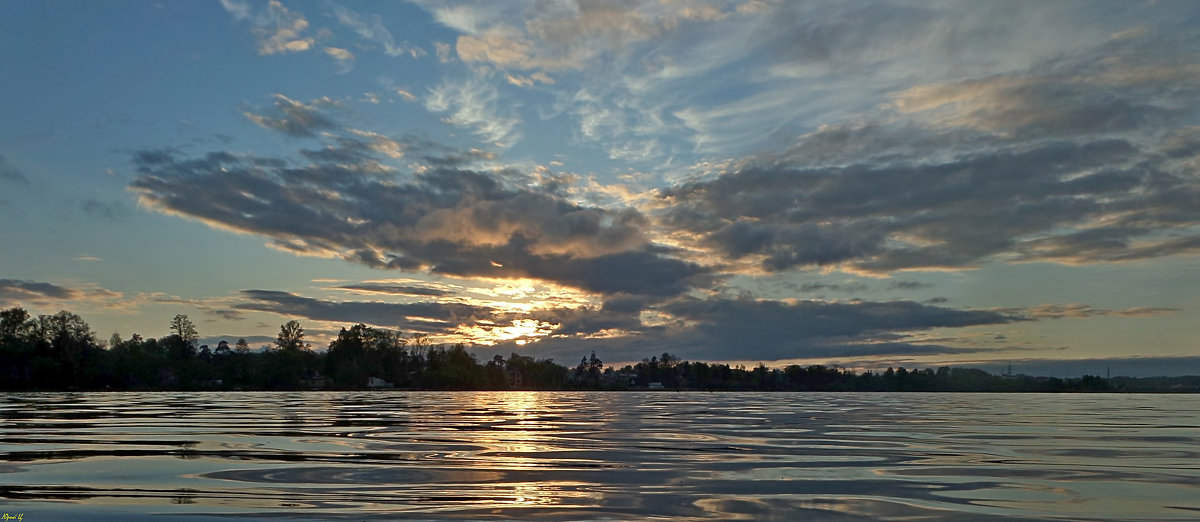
(599, 455)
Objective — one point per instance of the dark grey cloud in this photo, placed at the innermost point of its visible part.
(1143, 79)
(857, 286)
(395, 289)
(780, 322)
(294, 118)
(1081, 311)
(16, 291)
(907, 285)
(228, 315)
(833, 287)
(10, 172)
(1031, 201)
(445, 219)
(428, 317)
(748, 329)
(1084, 156)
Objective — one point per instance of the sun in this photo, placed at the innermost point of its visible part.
(520, 331)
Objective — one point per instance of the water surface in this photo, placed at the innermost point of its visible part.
(599, 455)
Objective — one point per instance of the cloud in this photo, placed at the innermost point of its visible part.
(294, 118)
(1119, 97)
(908, 285)
(565, 36)
(443, 51)
(47, 296)
(1081, 311)
(280, 30)
(475, 104)
(13, 289)
(408, 96)
(500, 46)
(439, 318)
(239, 10)
(9, 172)
(343, 57)
(395, 289)
(610, 50)
(371, 29)
(833, 287)
(228, 315)
(929, 206)
(765, 330)
(821, 319)
(444, 218)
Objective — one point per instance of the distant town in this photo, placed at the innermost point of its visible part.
(60, 352)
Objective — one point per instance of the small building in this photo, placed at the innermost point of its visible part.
(376, 383)
(655, 386)
(516, 379)
(313, 380)
(629, 378)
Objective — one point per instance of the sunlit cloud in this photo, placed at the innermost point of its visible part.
(279, 30)
(344, 58)
(44, 297)
(292, 117)
(772, 181)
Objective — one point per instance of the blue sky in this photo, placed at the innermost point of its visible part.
(860, 183)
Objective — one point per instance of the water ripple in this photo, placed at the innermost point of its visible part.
(529, 455)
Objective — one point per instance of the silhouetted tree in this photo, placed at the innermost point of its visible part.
(291, 336)
(184, 328)
(14, 323)
(182, 342)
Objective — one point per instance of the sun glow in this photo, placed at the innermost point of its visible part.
(521, 331)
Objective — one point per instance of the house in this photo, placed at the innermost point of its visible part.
(515, 378)
(313, 380)
(375, 383)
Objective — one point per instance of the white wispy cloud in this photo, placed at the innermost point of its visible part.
(343, 57)
(371, 29)
(239, 10)
(475, 104)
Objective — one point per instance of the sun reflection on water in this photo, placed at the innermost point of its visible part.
(562, 455)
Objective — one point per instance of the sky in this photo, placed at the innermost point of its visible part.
(860, 183)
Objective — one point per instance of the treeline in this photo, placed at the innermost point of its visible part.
(60, 352)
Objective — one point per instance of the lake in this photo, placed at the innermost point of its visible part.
(593, 455)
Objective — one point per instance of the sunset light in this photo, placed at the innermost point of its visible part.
(599, 259)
